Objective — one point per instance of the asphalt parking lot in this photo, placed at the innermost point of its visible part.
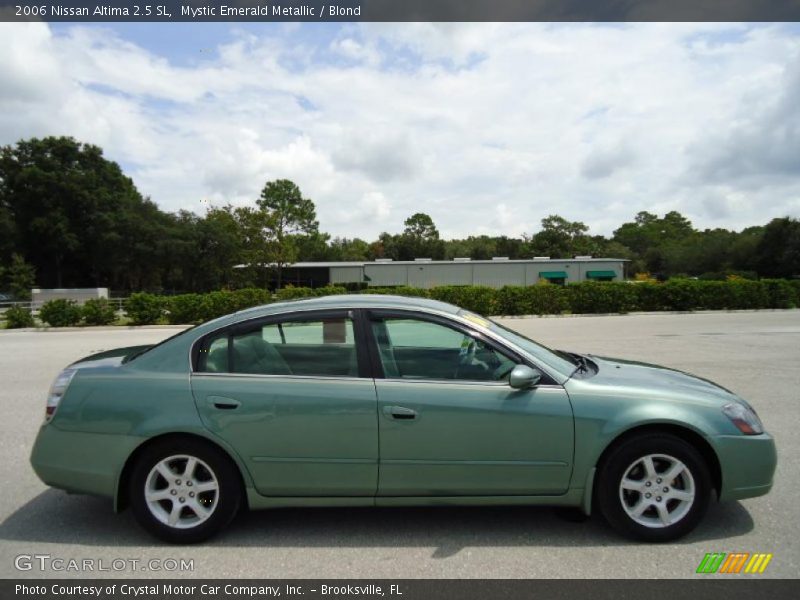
(756, 354)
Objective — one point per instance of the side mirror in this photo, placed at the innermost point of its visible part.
(523, 377)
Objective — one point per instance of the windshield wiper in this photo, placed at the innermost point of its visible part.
(583, 364)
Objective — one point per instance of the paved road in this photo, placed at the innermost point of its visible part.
(755, 354)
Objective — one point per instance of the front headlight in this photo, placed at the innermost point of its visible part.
(57, 391)
(744, 417)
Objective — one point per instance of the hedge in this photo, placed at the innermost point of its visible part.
(540, 299)
(60, 313)
(17, 317)
(98, 311)
(145, 309)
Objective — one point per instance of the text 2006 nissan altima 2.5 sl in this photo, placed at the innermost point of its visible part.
(387, 401)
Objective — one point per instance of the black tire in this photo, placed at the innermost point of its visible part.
(224, 502)
(610, 497)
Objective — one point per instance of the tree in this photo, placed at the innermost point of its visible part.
(287, 214)
(258, 246)
(778, 252)
(657, 240)
(17, 278)
(346, 249)
(75, 214)
(420, 239)
(220, 245)
(560, 238)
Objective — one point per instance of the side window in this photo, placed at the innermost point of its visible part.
(416, 349)
(321, 347)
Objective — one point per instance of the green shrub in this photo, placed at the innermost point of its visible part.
(742, 294)
(476, 298)
(17, 317)
(400, 290)
(60, 313)
(184, 309)
(99, 311)
(601, 297)
(648, 296)
(145, 309)
(331, 290)
(296, 293)
(780, 293)
(249, 297)
(711, 295)
(539, 299)
(217, 304)
(678, 294)
(795, 283)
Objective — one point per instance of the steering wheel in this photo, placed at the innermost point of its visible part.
(502, 371)
(467, 353)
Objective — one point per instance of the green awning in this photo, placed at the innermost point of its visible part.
(553, 274)
(600, 274)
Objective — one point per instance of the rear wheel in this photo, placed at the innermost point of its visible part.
(654, 487)
(184, 490)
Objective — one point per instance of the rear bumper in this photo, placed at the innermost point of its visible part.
(86, 463)
(748, 465)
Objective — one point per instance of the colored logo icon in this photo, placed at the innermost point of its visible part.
(734, 563)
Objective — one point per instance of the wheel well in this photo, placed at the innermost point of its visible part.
(124, 478)
(687, 435)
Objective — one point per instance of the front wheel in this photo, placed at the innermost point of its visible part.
(184, 491)
(654, 487)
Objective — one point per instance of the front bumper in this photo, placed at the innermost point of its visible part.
(86, 463)
(748, 465)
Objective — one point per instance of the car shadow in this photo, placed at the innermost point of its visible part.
(56, 517)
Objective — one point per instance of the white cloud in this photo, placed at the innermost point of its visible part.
(487, 127)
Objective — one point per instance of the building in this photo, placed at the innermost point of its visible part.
(79, 295)
(427, 273)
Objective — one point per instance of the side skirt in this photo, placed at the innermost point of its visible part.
(573, 497)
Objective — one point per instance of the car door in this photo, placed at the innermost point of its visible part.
(450, 425)
(294, 397)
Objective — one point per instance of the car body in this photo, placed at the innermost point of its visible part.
(369, 400)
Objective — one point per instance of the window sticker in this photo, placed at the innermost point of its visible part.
(473, 318)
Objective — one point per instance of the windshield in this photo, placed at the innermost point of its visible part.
(555, 359)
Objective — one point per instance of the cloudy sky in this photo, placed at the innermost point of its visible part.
(486, 127)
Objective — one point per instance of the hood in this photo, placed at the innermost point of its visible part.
(619, 373)
(108, 358)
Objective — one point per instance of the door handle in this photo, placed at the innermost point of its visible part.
(399, 412)
(223, 403)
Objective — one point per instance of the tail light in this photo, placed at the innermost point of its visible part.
(57, 391)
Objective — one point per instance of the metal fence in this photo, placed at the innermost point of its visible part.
(117, 303)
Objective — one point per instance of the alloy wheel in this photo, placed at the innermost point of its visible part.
(657, 490)
(181, 491)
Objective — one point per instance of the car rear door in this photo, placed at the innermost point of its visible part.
(450, 425)
(294, 396)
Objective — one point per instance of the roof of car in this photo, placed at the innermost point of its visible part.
(355, 301)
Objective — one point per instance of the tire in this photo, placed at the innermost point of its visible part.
(180, 509)
(636, 468)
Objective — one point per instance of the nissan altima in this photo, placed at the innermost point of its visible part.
(370, 400)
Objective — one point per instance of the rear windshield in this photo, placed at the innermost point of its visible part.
(136, 355)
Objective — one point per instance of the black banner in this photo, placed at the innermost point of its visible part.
(744, 588)
(401, 10)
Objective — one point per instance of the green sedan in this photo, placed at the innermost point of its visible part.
(373, 400)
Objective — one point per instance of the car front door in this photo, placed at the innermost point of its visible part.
(450, 424)
(294, 397)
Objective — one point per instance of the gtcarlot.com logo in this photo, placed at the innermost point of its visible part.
(47, 562)
(734, 563)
